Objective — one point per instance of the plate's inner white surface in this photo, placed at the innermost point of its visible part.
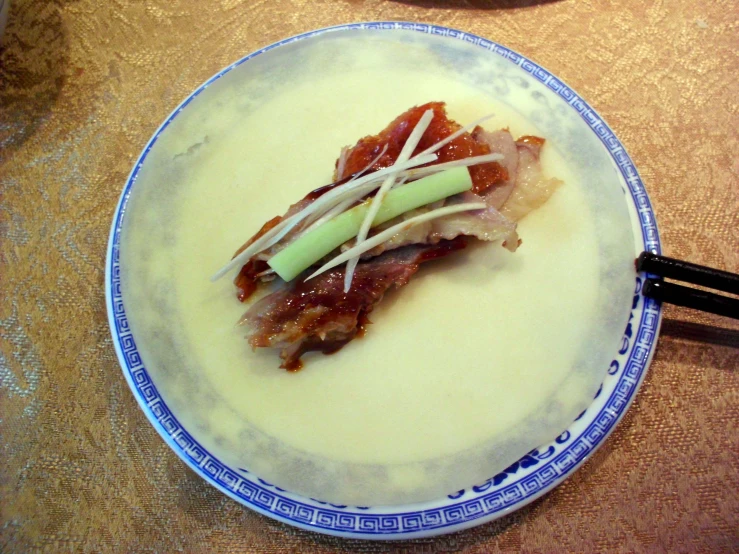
(482, 357)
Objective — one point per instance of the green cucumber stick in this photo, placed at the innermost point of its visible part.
(311, 247)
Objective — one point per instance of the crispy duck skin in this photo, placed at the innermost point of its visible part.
(317, 315)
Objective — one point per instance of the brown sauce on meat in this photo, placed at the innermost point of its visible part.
(266, 227)
(320, 191)
(326, 348)
(532, 141)
(246, 281)
(371, 281)
(396, 134)
(363, 320)
(365, 287)
(293, 365)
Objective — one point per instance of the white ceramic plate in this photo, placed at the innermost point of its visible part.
(527, 479)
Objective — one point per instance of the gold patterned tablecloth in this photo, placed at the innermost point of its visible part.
(83, 85)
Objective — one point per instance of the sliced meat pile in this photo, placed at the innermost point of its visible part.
(317, 315)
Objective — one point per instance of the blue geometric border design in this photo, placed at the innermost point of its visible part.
(534, 475)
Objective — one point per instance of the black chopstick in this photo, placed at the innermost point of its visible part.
(691, 298)
(679, 295)
(670, 268)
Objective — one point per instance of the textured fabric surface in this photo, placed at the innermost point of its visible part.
(83, 84)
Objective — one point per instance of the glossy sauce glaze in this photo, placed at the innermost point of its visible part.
(318, 315)
(397, 132)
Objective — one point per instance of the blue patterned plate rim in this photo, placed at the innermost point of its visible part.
(523, 482)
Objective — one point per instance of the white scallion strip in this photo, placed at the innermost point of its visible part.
(435, 147)
(389, 233)
(333, 212)
(405, 153)
(357, 189)
(258, 245)
(369, 165)
(319, 219)
(401, 182)
(365, 184)
(342, 162)
(311, 247)
(464, 162)
(404, 175)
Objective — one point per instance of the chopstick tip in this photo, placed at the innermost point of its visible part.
(643, 259)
